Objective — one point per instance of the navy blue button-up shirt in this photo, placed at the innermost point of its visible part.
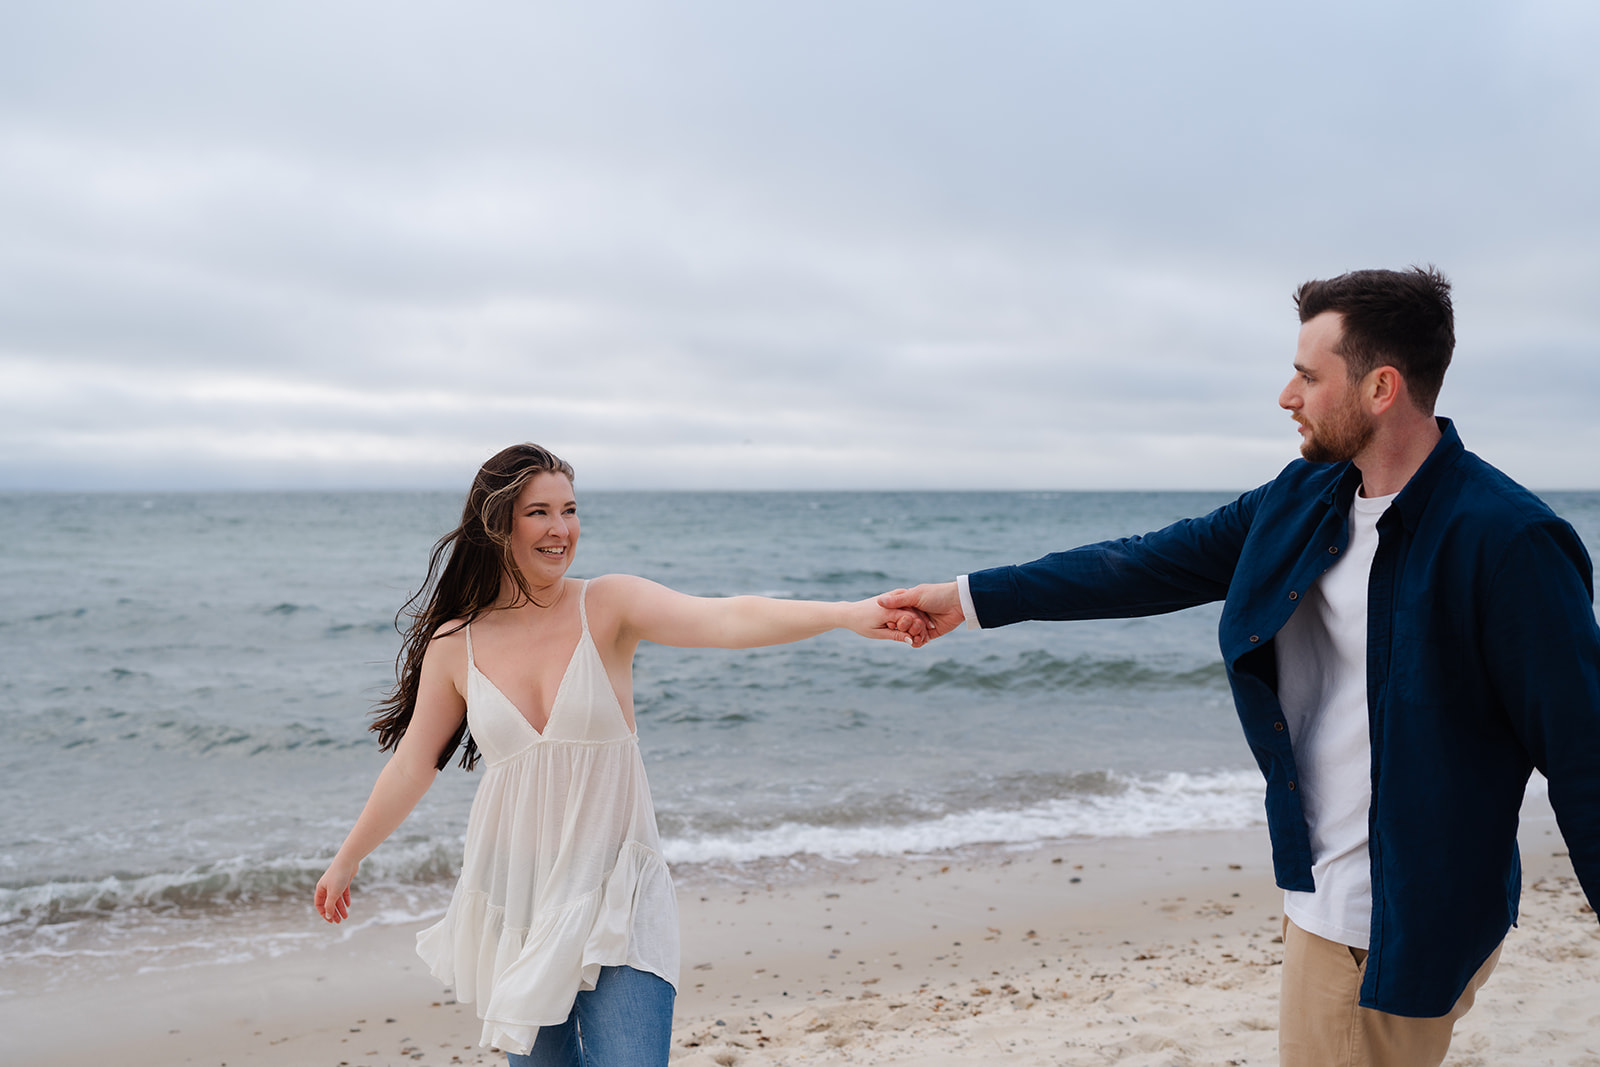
(1483, 662)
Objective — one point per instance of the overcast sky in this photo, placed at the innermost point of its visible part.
(763, 245)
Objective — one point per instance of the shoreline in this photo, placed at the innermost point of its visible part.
(1145, 950)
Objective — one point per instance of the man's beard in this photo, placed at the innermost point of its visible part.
(1339, 437)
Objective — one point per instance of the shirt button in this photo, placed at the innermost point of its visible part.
(1293, 595)
(1333, 550)
(1254, 638)
(1278, 726)
(1291, 785)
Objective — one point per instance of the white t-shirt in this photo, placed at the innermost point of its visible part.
(1322, 684)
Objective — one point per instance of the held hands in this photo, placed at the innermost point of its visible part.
(937, 605)
(870, 618)
(915, 616)
(333, 891)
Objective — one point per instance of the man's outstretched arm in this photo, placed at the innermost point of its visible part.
(1187, 563)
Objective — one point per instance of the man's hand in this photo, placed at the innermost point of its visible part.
(940, 604)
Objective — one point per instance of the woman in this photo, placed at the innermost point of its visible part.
(563, 929)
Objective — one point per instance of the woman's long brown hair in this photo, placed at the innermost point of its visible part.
(463, 581)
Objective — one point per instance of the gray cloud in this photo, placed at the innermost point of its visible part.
(726, 245)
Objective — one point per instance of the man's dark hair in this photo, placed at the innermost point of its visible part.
(1401, 319)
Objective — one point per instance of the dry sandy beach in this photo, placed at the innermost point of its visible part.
(1160, 950)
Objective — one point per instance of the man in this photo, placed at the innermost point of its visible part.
(1408, 633)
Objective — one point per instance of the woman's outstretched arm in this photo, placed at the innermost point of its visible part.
(650, 612)
(407, 775)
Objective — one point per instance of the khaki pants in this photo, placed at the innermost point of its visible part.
(1322, 1024)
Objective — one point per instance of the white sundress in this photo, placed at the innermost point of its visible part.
(562, 872)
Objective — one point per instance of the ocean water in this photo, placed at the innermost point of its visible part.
(185, 681)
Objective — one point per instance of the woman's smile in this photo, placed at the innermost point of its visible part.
(544, 528)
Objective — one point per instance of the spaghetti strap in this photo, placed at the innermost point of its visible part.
(468, 630)
(583, 608)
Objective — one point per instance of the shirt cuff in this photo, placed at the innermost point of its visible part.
(967, 609)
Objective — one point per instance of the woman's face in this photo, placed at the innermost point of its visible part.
(544, 529)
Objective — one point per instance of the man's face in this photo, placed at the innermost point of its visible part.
(1321, 397)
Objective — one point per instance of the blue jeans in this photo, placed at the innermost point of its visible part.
(624, 1021)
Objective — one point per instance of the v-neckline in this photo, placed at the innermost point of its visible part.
(555, 701)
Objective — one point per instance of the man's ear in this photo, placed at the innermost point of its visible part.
(1381, 388)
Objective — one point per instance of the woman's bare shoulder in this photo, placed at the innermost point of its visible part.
(610, 585)
(449, 641)
(617, 589)
(453, 631)
(611, 597)
(444, 661)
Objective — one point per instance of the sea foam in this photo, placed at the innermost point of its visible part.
(1172, 802)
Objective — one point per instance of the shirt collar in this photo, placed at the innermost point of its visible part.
(1413, 497)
